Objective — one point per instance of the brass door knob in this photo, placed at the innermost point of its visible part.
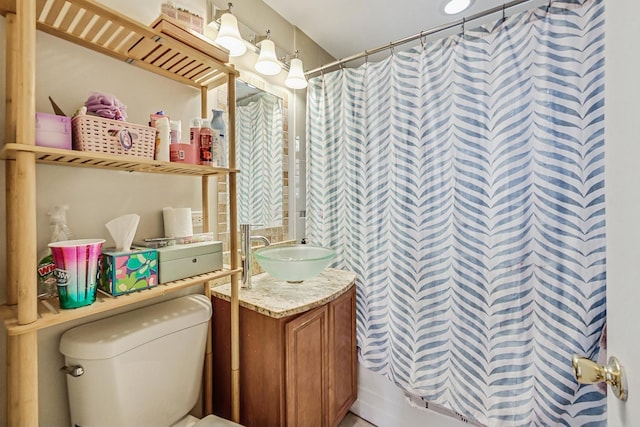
(587, 371)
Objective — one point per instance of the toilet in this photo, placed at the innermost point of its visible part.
(140, 368)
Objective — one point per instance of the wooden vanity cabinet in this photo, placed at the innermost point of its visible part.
(343, 356)
(296, 371)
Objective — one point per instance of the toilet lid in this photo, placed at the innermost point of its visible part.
(213, 421)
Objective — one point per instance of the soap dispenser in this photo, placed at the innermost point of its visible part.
(47, 284)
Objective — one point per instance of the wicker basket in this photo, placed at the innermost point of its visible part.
(93, 133)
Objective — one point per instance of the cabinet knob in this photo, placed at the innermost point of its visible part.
(194, 260)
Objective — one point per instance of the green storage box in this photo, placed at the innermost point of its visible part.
(181, 261)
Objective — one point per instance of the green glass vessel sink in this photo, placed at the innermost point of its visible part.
(294, 263)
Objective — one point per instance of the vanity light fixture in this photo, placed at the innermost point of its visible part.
(296, 79)
(267, 63)
(228, 35)
(453, 7)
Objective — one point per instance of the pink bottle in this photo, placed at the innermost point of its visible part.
(206, 144)
(194, 131)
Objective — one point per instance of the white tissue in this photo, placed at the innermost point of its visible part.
(177, 222)
(123, 230)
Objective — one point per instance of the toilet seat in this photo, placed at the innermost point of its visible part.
(213, 421)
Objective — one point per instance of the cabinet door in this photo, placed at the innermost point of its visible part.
(306, 377)
(343, 356)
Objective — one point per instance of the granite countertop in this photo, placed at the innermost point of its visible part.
(278, 298)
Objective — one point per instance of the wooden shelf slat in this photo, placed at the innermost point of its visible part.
(54, 11)
(72, 12)
(50, 313)
(88, 159)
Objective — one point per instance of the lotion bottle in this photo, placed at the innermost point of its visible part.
(164, 138)
(175, 127)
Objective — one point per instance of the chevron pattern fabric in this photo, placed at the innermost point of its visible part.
(463, 181)
(259, 134)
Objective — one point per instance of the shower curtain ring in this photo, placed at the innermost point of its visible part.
(463, 22)
(421, 39)
(504, 17)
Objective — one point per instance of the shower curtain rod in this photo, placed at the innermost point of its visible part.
(422, 34)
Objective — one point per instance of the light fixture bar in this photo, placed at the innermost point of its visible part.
(219, 12)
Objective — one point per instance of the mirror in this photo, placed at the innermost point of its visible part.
(259, 155)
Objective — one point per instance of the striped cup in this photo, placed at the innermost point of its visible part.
(76, 270)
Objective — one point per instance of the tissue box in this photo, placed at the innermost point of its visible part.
(180, 261)
(53, 131)
(124, 272)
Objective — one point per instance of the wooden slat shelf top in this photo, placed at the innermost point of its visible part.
(168, 49)
(88, 159)
(50, 313)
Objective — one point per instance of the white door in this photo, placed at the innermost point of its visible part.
(622, 183)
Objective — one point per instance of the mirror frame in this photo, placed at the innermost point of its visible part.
(252, 143)
(286, 232)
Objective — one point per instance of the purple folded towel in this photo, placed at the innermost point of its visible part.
(106, 105)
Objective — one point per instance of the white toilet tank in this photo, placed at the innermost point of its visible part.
(140, 368)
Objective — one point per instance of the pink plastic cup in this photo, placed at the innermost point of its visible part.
(76, 270)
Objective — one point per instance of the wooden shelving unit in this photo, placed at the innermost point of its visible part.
(164, 49)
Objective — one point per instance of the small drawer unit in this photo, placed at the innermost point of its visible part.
(181, 261)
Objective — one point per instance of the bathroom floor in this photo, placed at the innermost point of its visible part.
(352, 420)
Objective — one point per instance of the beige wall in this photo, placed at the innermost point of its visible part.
(623, 201)
(68, 73)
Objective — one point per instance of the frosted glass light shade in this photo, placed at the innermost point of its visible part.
(296, 79)
(229, 36)
(267, 63)
(456, 6)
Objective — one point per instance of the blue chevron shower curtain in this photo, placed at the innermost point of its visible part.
(259, 136)
(462, 180)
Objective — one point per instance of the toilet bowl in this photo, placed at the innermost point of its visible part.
(140, 368)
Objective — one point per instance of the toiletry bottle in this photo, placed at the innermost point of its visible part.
(217, 123)
(175, 131)
(152, 123)
(153, 117)
(162, 151)
(206, 144)
(194, 130)
(47, 284)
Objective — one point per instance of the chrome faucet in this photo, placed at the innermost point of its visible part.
(245, 253)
